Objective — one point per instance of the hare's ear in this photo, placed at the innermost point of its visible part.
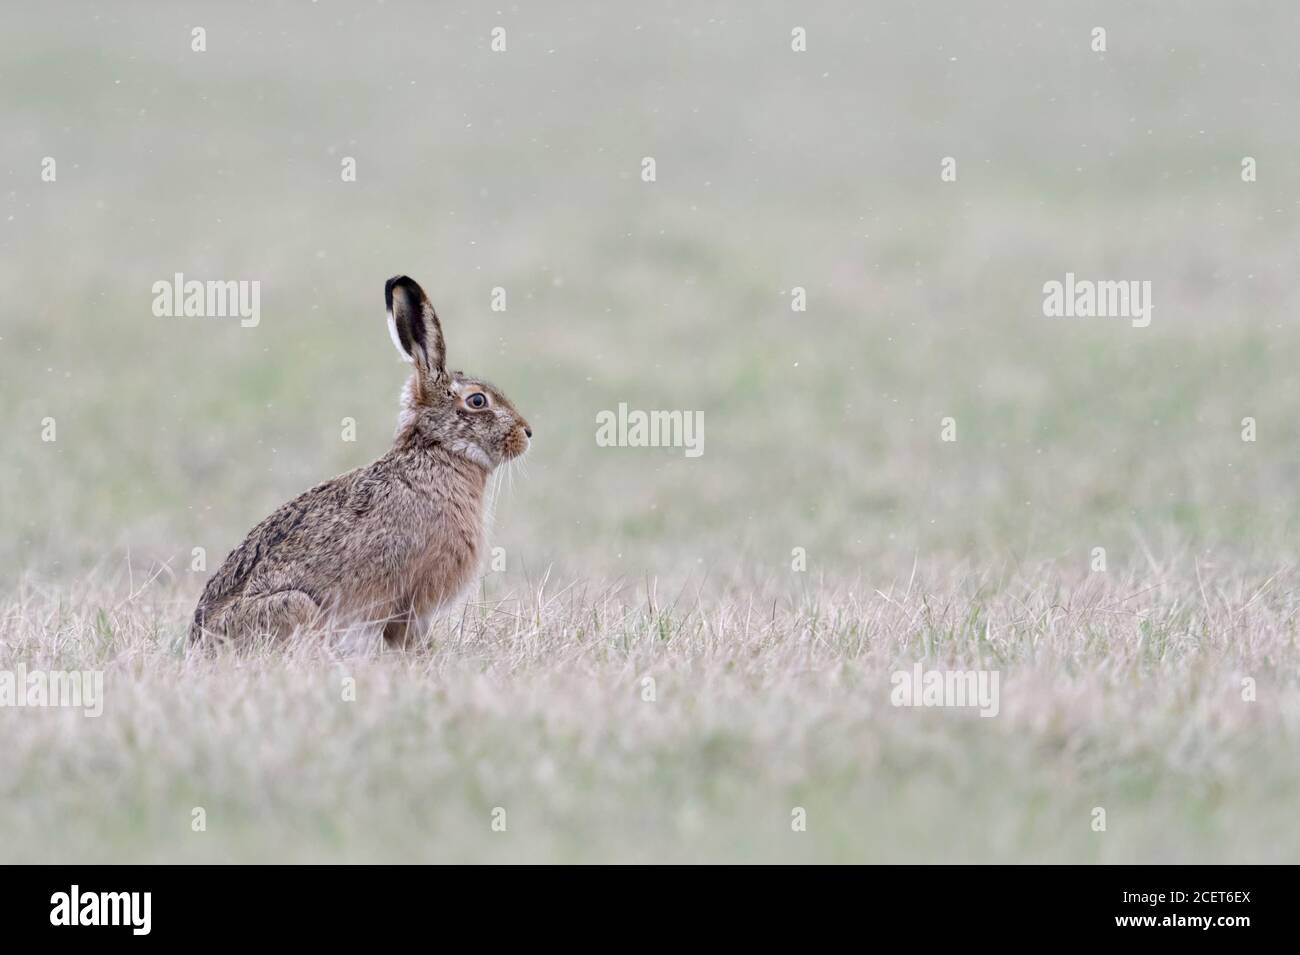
(414, 326)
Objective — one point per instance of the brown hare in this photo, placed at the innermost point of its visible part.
(380, 549)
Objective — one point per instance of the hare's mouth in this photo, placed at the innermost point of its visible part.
(516, 443)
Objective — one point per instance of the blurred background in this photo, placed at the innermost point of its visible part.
(775, 169)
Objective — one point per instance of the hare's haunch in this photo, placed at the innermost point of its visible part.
(383, 547)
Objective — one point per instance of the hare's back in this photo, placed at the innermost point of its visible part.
(294, 535)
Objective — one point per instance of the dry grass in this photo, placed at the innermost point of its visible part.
(1117, 690)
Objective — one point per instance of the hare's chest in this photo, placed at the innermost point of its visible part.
(444, 560)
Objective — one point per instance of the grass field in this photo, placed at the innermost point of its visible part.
(1121, 689)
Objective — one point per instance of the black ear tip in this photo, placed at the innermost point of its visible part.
(388, 290)
(403, 280)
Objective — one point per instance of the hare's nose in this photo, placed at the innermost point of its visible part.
(528, 431)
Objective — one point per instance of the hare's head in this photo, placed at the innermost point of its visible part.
(466, 415)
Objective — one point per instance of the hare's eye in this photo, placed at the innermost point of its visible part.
(477, 400)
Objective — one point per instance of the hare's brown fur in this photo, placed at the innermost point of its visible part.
(385, 546)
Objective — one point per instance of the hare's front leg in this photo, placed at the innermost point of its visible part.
(400, 632)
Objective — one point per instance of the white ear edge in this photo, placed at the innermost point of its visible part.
(397, 342)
